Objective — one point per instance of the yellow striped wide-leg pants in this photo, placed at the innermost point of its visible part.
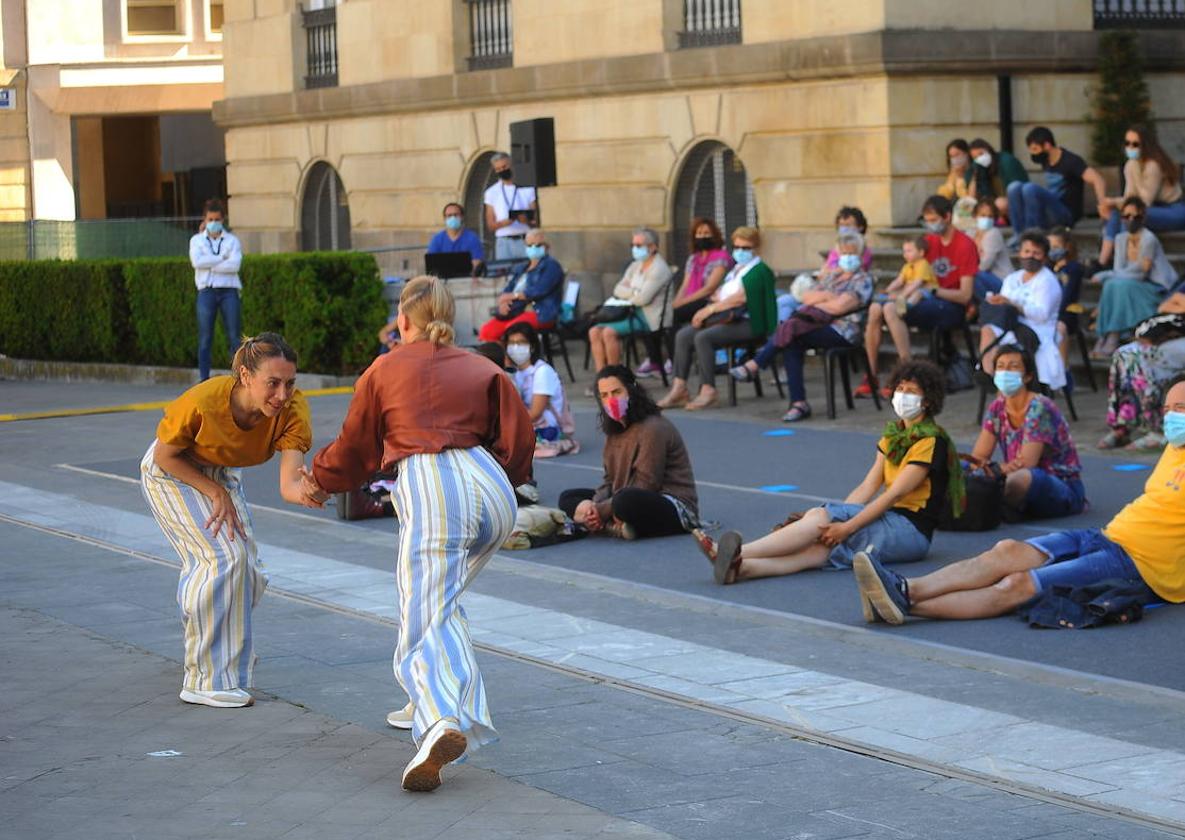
(455, 509)
(220, 580)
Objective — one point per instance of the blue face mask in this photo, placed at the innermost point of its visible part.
(452, 222)
(640, 252)
(536, 252)
(842, 229)
(1174, 427)
(849, 262)
(740, 256)
(935, 227)
(1132, 154)
(1056, 254)
(1008, 382)
(214, 227)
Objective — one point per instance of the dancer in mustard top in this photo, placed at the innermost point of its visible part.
(191, 479)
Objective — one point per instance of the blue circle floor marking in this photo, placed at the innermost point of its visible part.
(1130, 467)
(780, 488)
(778, 433)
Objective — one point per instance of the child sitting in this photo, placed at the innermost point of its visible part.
(916, 279)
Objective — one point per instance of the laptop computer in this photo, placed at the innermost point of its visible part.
(456, 264)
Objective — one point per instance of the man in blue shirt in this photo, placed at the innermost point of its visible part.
(456, 238)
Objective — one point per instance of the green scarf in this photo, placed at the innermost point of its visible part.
(899, 438)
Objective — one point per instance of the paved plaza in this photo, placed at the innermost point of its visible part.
(634, 697)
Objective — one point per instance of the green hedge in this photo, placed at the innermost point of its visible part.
(142, 311)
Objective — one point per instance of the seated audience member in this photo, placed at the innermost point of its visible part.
(830, 316)
(895, 508)
(1031, 205)
(456, 238)
(916, 278)
(641, 286)
(1140, 370)
(1043, 476)
(959, 182)
(648, 488)
(1141, 549)
(994, 173)
(994, 262)
(955, 261)
(543, 392)
(1151, 175)
(741, 310)
(1135, 287)
(1034, 292)
(1063, 260)
(849, 220)
(533, 294)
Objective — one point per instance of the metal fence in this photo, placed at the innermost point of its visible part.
(45, 239)
(1139, 14)
(320, 26)
(490, 34)
(709, 23)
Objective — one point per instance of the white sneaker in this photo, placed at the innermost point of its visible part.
(443, 744)
(230, 698)
(403, 718)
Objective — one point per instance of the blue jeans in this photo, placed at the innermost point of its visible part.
(1049, 496)
(209, 303)
(1032, 206)
(510, 248)
(934, 313)
(1081, 558)
(986, 284)
(893, 537)
(794, 356)
(1157, 218)
(787, 304)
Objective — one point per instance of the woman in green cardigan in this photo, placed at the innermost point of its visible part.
(742, 309)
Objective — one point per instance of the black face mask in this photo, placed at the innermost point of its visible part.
(1032, 264)
(505, 174)
(703, 243)
(1041, 158)
(1134, 225)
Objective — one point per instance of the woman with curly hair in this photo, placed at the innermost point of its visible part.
(892, 513)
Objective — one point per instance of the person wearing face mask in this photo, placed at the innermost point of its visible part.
(640, 287)
(1060, 201)
(649, 487)
(216, 255)
(994, 172)
(994, 262)
(509, 210)
(191, 479)
(1043, 476)
(1135, 287)
(848, 220)
(1142, 548)
(533, 294)
(543, 394)
(893, 512)
(1036, 294)
(456, 238)
(1063, 261)
(959, 181)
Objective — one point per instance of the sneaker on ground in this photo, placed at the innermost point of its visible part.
(667, 367)
(646, 370)
(229, 698)
(886, 591)
(864, 389)
(402, 718)
(443, 744)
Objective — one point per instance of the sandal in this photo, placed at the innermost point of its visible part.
(674, 402)
(706, 544)
(1113, 440)
(797, 412)
(728, 558)
(700, 403)
(742, 373)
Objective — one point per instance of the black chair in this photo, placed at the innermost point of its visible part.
(748, 349)
(845, 359)
(553, 338)
(1083, 343)
(655, 340)
(1027, 339)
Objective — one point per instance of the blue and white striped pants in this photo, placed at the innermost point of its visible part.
(455, 509)
(220, 580)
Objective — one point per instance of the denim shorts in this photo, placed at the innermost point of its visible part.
(1050, 496)
(1082, 558)
(934, 313)
(893, 537)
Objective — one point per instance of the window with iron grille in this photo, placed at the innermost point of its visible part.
(320, 28)
(712, 184)
(491, 38)
(1139, 14)
(709, 23)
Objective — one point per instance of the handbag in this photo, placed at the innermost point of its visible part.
(804, 319)
(607, 313)
(985, 501)
(725, 317)
(1161, 328)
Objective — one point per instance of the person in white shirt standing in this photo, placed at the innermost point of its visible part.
(216, 255)
(504, 204)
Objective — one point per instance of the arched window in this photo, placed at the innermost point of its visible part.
(713, 183)
(324, 211)
(481, 177)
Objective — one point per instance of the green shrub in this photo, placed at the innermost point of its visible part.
(141, 311)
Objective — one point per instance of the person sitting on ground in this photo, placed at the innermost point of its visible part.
(830, 316)
(959, 179)
(954, 259)
(994, 262)
(1063, 261)
(1139, 372)
(1043, 476)
(1031, 205)
(543, 392)
(1152, 175)
(994, 173)
(456, 238)
(1136, 286)
(916, 278)
(649, 487)
(1142, 547)
(741, 310)
(895, 508)
(1035, 293)
(533, 294)
(640, 287)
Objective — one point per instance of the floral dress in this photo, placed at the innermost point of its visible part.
(1043, 423)
(1135, 386)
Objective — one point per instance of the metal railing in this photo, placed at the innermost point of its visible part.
(47, 239)
(320, 27)
(1139, 14)
(491, 36)
(709, 23)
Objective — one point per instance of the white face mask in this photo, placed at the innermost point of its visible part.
(907, 406)
(984, 159)
(520, 354)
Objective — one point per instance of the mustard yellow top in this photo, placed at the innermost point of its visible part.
(920, 270)
(1151, 529)
(200, 420)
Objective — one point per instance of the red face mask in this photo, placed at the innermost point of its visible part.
(616, 407)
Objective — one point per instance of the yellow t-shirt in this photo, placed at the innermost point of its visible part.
(1151, 529)
(200, 420)
(920, 270)
(923, 504)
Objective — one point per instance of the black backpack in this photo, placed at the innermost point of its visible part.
(985, 503)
